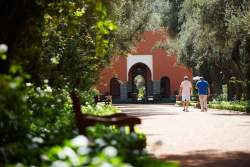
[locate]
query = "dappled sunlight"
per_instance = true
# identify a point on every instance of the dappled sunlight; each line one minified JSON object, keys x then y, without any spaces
{"x":211,"y":158}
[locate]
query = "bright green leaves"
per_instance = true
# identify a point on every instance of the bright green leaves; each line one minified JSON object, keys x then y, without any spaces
{"x":77,"y":42}
{"x":100,"y":9}
{"x":79,"y":12}
{"x":106,"y":26}
{"x":110,"y":25}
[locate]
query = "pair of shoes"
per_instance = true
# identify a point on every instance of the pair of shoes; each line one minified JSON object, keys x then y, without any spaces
{"x":183,"y":110}
{"x":205,"y":109}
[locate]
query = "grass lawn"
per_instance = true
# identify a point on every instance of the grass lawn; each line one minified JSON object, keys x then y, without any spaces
{"x":152,"y":162}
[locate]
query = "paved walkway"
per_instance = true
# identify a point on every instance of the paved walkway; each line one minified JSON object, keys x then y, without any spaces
{"x":200,"y":139}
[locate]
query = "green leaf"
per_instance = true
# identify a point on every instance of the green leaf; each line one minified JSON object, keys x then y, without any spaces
{"x":3,"y":56}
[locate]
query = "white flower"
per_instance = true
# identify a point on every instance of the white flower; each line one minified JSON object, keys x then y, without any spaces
{"x":110,"y":151}
{"x":46,"y":81}
{"x":28,"y":84}
{"x":72,"y":156}
{"x":113,"y":142}
{"x":83,"y":150}
{"x":19,"y":165}
{"x":44,"y":157}
{"x":61,"y":154}
{"x":48,"y":89}
{"x":58,"y":100}
{"x":3,"y":48}
{"x":38,"y":89}
{"x":100,"y":142}
{"x":106,"y":164}
{"x":80,"y":141}
{"x":13,"y":85}
{"x":96,"y":160}
{"x":60,"y":164}
{"x":54,"y":60}
{"x":37,"y":140}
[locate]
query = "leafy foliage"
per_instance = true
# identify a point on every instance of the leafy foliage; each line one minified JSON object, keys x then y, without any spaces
{"x":63,"y":45}
{"x":213,"y":37}
{"x":105,"y":146}
{"x":81,"y":152}
{"x":132,"y":18}
{"x":76,"y":42}
{"x":100,"y":109}
{"x":129,"y":145}
{"x":243,"y":106}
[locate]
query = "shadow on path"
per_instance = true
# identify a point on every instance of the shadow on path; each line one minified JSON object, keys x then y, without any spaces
{"x":211,"y":158}
{"x":148,"y":113}
{"x":232,"y":114}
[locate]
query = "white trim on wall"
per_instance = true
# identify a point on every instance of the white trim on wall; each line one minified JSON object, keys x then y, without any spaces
{"x":145,"y":59}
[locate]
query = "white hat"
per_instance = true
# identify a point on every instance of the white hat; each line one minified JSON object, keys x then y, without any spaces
{"x":185,"y":77}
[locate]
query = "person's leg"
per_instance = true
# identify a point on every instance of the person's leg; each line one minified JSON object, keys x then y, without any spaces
{"x":201,"y":102}
{"x":183,"y":104}
{"x":187,"y":103}
{"x":205,"y":102}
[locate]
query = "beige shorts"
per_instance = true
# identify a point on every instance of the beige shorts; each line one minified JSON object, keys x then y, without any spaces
{"x":185,"y":97}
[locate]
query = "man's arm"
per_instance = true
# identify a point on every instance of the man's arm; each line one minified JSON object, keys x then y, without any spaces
{"x":180,"y":90}
{"x":208,"y":91}
{"x":191,"y":89}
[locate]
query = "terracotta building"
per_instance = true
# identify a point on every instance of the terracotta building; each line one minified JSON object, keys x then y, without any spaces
{"x":153,"y":70}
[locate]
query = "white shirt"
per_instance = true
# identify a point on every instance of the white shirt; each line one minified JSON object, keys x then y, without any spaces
{"x":186,"y":85}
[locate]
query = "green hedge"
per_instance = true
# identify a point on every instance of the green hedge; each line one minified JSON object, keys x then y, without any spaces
{"x":235,"y":106}
{"x":243,"y":106}
{"x":191,"y":103}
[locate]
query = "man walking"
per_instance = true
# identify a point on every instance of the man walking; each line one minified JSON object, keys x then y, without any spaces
{"x":186,"y":90}
{"x":203,"y":92}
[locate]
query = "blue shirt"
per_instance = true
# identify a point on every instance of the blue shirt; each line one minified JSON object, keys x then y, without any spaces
{"x":202,"y":87}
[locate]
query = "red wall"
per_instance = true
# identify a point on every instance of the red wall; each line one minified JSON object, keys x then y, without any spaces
{"x":116,"y":69}
{"x":163,"y":64}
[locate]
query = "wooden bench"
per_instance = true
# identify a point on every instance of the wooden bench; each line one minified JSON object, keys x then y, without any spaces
{"x":102,"y":98}
{"x":85,"y":120}
{"x":119,"y":120}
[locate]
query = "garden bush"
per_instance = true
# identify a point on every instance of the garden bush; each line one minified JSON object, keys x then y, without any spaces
{"x":80,"y":151}
{"x":40,"y":118}
{"x":129,"y":145}
{"x":100,"y":109}
{"x":100,"y":151}
{"x":243,"y":106}
{"x":31,"y":117}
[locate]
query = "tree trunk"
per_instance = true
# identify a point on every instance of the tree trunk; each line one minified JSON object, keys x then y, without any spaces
{"x":77,"y":110}
{"x":248,"y":68}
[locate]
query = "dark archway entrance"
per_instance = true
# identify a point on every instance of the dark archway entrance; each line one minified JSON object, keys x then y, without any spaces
{"x":165,"y":87}
{"x":115,"y":88}
{"x":140,"y":78}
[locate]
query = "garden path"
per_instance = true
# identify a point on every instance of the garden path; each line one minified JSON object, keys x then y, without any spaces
{"x":215,"y":138}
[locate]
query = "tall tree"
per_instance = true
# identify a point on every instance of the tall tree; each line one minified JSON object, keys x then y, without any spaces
{"x":213,"y":38}
{"x":80,"y":37}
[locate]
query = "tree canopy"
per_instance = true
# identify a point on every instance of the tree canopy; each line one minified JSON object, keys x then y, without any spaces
{"x":211,"y":36}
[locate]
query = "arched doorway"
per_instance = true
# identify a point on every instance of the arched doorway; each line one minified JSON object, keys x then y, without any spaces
{"x":165,"y":87}
{"x":139,"y":80}
{"x":115,"y":88}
